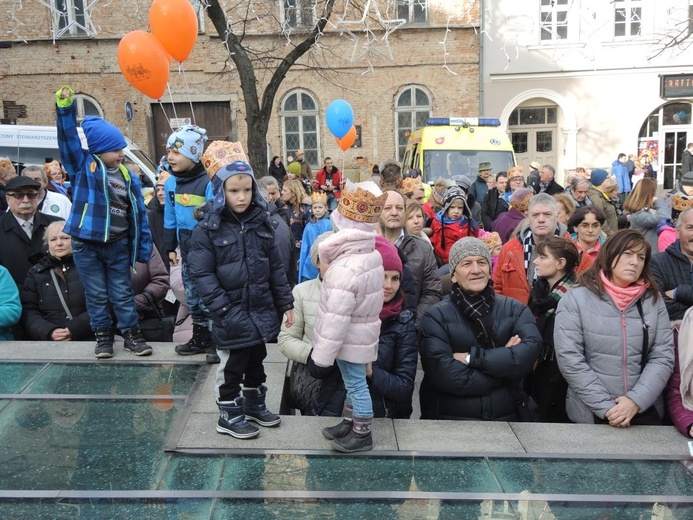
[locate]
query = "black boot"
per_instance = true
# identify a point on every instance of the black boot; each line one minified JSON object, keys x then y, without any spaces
{"x":232,"y":420}
{"x":199,"y":343}
{"x":358,"y":439}
{"x":255,"y":409}
{"x":135,"y":343}
{"x":343,"y":428}
{"x":104,"y":343}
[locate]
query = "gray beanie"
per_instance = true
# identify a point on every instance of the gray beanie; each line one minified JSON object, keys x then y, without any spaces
{"x":467,"y":246}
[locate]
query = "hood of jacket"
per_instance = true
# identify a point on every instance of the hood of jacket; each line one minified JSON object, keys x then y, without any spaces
{"x":347,"y":241}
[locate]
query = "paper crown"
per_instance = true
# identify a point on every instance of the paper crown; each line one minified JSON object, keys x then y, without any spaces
{"x":220,"y":154}
{"x":162,"y":178}
{"x":409,"y":185}
{"x":318,"y":198}
{"x":492,"y":240}
{"x":514,"y":171}
{"x":681,"y":203}
{"x":361,"y":205}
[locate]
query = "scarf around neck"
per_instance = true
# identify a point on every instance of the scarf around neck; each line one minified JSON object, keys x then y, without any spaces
{"x":544,"y":299}
{"x":477,"y":309}
{"x":391,"y":308}
{"x":623,"y":296}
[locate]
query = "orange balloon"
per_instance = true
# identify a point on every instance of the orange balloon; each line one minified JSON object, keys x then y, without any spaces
{"x":348,"y":140}
{"x":144,"y":63}
{"x":174,"y":23}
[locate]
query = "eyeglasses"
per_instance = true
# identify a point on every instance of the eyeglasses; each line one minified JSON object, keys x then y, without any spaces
{"x":31,"y":195}
{"x":516,"y":179}
{"x":586,"y":226}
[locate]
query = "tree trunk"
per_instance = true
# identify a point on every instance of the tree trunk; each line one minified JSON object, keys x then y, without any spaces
{"x":258,"y":115}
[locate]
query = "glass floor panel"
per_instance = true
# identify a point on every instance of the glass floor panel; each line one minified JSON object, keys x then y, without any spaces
{"x":105,"y":458}
{"x":109,"y":379}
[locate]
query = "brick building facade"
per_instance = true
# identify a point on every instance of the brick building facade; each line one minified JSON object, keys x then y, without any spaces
{"x":42,"y":51}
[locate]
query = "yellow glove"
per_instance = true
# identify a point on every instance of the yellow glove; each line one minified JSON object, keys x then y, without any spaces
{"x":63,"y":97}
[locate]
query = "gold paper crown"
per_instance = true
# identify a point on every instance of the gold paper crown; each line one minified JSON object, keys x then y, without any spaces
{"x":361,"y":205}
{"x":221,"y":153}
{"x":318,"y":198}
{"x":681,"y":203}
{"x":492,"y":240}
{"x":514,"y":171}
{"x":409,"y":185}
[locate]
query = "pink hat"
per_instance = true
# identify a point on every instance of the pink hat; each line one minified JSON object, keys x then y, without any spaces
{"x":391,"y":259}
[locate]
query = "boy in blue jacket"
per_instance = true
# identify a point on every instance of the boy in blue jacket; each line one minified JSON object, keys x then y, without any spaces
{"x":238,"y":272}
{"x":108,"y":224}
{"x":187,"y":188}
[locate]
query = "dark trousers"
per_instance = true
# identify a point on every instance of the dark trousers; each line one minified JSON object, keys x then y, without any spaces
{"x":240,"y":366}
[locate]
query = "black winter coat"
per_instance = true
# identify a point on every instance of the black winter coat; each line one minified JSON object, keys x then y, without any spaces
{"x":453,"y":390}
{"x":237,"y":270}
{"x":17,"y":248}
{"x":285,"y":242}
{"x":155,"y":214}
{"x":392,"y":382}
{"x":492,"y":206}
{"x":672,"y":269}
{"x":42,"y":311}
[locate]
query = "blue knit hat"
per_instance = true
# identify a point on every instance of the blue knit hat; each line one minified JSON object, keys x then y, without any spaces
{"x":598,"y":177}
{"x":102,"y":136}
{"x":189,"y":141}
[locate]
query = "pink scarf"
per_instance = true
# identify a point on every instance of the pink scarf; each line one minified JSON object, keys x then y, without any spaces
{"x":623,"y":296}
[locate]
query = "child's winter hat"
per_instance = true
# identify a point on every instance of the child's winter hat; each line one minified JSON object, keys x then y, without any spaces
{"x":318,"y":198}
{"x":102,"y":136}
{"x":391,"y":259}
{"x":452,"y":194}
{"x":467,"y":246}
{"x":520,"y":199}
{"x":189,"y":141}
{"x":220,"y":155}
{"x":295,"y":168}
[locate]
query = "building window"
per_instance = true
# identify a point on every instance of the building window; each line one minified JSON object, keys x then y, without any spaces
{"x":87,"y":106}
{"x":300,"y":123}
{"x":627,"y":18}
{"x":413,"y":107}
{"x":71,"y":18}
{"x":554,"y":20}
{"x":413,"y":11}
{"x":298,"y":14}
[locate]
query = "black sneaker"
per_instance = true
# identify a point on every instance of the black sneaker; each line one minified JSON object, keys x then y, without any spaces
{"x":104,"y":343}
{"x":213,"y":358}
{"x":135,"y":343}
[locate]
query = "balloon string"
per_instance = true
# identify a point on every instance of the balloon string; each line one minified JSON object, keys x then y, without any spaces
{"x":173,"y":105}
{"x":165,"y":114}
{"x":187,"y":89}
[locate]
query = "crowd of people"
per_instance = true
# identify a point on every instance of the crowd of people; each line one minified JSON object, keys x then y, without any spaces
{"x":493,"y":283}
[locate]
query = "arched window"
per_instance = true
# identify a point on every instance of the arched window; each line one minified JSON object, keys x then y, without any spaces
{"x":87,"y":106}
{"x":413,"y":107}
{"x":299,"y":115}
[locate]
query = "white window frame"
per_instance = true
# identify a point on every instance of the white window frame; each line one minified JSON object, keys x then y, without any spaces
{"x":411,"y":4}
{"x":301,"y":113}
{"x":300,"y":8}
{"x":72,"y":27}
{"x":554,"y":8}
{"x":79,"y":100}
{"x":412,"y":109}
{"x":628,"y":6}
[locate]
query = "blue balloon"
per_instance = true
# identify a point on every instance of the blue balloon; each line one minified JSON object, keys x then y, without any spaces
{"x":682,"y":115}
{"x":339,"y":118}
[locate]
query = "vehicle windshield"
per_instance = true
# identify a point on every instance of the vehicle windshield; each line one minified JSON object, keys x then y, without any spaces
{"x":448,"y":163}
{"x":144,"y":158}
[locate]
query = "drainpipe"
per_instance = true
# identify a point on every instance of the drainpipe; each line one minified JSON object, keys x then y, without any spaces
{"x":481,"y":57}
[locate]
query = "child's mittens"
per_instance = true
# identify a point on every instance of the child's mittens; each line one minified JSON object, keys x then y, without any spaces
{"x":63,"y":96}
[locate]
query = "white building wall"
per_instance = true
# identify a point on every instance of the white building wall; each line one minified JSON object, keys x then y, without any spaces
{"x":605,"y":87}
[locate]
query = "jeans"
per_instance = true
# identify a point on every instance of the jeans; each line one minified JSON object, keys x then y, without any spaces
{"x":354,"y":376}
{"x":332,"y":203}
{"x":197,"y":309}
{"x":241,"y":365}
{"x":104,"y":270}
